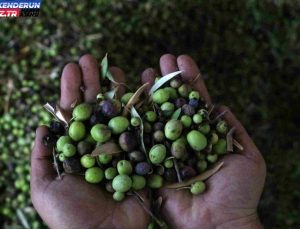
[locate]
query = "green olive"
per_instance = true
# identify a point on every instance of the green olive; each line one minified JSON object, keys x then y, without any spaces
{"x":124,"y":167}
{"x":94,"y":175}
{"x":184,"y":90}
{"x":155,"y":181}
{"x":173,"y":129}
{"x":138,"y":182}
{"x":118,"y":124}
{"x":197,"y":118}
{"x":157,"y":153}
{"x":61,"y":142}
{"x":220,"y":147}
{"x":172,"y":92}
{"x":69,"y":150}
{"x":186,"y":121}
{"x":105,"y":158}
{"x":126,"y":97}
{"x":87,"y":161}
{"x":77,"y":131}
{"x":118,"y":196}
{"x":100,"y":133}
{"x":196,"y":140}
{"x":198,"y":187}
{"x":82,"y":112}
{"x":204,"y":128}
{"x":167,"y":109}
{"x":151,"y":116}
{"x":160,"y":96}
{"x":122,"y":183}
{"x":110,"y":173}
{"x":135,"y":121}
{"x":222,"y":127}
{"x":194,"y":95}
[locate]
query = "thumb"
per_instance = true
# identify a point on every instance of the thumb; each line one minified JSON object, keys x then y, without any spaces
{"x":42,"y":170}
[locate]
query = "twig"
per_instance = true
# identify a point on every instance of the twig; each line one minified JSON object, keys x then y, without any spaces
{"x":177,"y":170}
{"x":219,"y":116}
{"x":229,"y":139}
{"x":55,"y":164}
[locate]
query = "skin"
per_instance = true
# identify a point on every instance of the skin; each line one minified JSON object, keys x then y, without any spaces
{"x":72,"y":203}
{"x":233,"y":193}
{"x":231,"y":198}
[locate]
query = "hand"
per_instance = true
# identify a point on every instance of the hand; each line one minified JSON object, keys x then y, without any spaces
{"x":233,"y":193}
{"x":71,"y":202}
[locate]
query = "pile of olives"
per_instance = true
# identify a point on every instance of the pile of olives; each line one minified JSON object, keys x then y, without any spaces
{"x":173,"y":139}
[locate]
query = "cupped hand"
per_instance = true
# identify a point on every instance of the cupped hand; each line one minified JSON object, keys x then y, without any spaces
{"x":72,"y":203}
{"x":233,"y":192}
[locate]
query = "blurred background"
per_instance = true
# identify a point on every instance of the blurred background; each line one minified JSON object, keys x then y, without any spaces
{"x":248,"y":52}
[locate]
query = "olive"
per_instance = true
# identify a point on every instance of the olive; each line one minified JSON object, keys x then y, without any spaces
{"x":142,"y":168}
{"x":136,"y":156}
{"x":127,"y":141}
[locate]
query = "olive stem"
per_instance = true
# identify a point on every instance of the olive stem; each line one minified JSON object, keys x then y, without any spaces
{"x":177,"y":170}
{"x":55,"y":164}
{"x":148,"y":211}
{"x":219,"y":116}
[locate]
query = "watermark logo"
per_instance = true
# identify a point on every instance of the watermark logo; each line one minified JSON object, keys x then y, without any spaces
{"x":20,"y":8}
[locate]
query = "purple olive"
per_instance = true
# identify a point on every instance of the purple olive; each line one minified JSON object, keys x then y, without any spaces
{"x":187,"y":172}
{"x":127,"y":141}
{"x":142,"y":168}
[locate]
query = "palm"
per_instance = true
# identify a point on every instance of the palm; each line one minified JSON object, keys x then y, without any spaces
{"x":230,"y":195}
{"x":71,"y":202}
{"x":81,"y":205}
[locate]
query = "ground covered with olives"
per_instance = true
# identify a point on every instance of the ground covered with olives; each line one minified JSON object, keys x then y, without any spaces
{"x":141,"y":139}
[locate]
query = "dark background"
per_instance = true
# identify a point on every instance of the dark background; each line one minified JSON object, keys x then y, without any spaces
{"x":248,"y":52}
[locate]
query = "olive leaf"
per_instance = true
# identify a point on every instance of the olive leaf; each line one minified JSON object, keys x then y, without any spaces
{"x":106,"y":148}
{"x":134,"y":113}
{"x":57,"y":113}
{"x":111,"y":94}
{"x":176,"y":114}
{"x":110,"y":77}
{"x":237,"y":145}
{"x":162,"y":81}
{"x":134,"y":99}
{"x":229,"y":140}
{"x":200,"y":177}
{"x":23,"y":218}
{"x":104,"y":66}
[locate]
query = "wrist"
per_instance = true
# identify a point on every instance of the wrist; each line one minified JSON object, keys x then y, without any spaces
{"x":249,"y":222}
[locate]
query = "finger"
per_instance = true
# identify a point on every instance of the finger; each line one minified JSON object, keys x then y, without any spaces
{"x":41,"y":166}
{"x":240,"y":134}
{"x":168,"y":64}
{"x":119,"y":77}
{"x":148,"y":76}
{"x":190,"y":73}
{"x":70,"y":86}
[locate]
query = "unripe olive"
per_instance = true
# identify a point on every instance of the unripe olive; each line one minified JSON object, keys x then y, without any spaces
{"x":155,"y":181}
{"x":138,"y":182}
{"x":173,"y":129}
{"x":172,"y":92}
{"x":178,"y":149}
{"x":61,"y":157}
{"x":198,"y":187}
{"x":175,"y":83}
{"x":82,"y":112}
{"x":184,"y":90}
{"x":214,"y":138}
{"x":124,"y":167}
{"x":87,"y":161}
{"x":201,"y":166}
{"x":158,"y":136}
{"x":94,"y":175}
{"x":77,"y":131}
{"x":110,"y":173}
{"x":118,"y":196}
{"x":196,"y":140}
{"x":127,"y":141}
{"x":126,"y":97}
{"x":61,"y":142}
{"x":194,"y":95}
{"x":151,"y":116}
{"x":197,"y":118}
{"x":118,"y":124}
{"x":105,"y":158}
{"x":122,"y":183}
{"x":160,"y":96}
{"x":157,"y":153}
{"x":186,"y":121}
{"x":69,"y":150}
{"x":204,"y":128}
{"x":212,"y":158}
{"x":84,"y":147}
{"x":147,"y":127}
{"x":136,"y":156}
{"x":167,"y":109}
{"x":100,"y":133}
{"x":135,"y":121}
{"x":222,"y":127}
{"x":220,"y":147}
{"x":168,"y":163}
